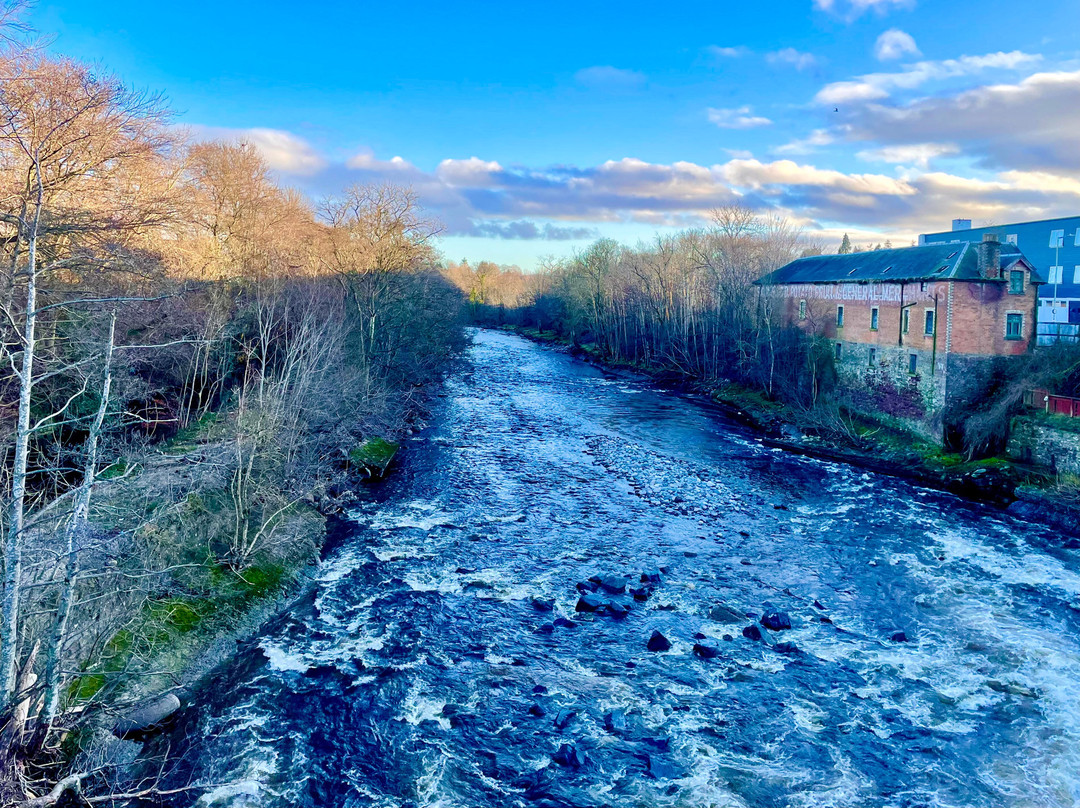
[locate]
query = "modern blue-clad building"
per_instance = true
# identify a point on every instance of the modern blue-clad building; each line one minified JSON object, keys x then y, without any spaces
{"x":1053,"y":248}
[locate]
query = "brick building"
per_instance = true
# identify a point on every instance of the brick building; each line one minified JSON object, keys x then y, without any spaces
{"x":917,"y":332}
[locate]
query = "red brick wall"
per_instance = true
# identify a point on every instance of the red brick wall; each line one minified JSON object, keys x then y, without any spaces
{"x":978,"y":314}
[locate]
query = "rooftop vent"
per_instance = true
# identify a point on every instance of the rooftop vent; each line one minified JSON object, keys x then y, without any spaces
{"x":961,"y":224}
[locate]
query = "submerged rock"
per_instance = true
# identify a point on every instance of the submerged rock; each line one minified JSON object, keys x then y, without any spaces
{"x":752,"y":633}
{"x":899,"y":636}
{"x":612,"y":584}
{"x":787,"y":648}
{"x":536,"y":711}
{"x":660,"y":769}
{"x":658,"y":642}
{"x":776,"y":621}
{"x":725,"y":614}
{"x":562,"y":622}
{"x":706,"y":650}
{"x":567,"y":755}
{"x":615,"y":721}
{"x":564,"y":717}
{"x":650,"y":577}
{"x":1012,"y":689}
{"x":543,"y":604}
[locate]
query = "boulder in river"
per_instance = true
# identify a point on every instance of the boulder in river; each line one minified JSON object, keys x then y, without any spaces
{"x":589,"y":602}
{"x":650,"y":577}
{"x":584,"y":587}
{"x":776,"y":621}
{"x":536,"y":711}
{"x":899,"y":636}
{"x":543,"y":604}
{"x":562,"y":622}
{"x":1012,"y":689}
{"x":752,"y":632}
{"x":568,"y":755}
{"x":147,"y":717}
{"x":615,"y":721}
{"x":725,"y":614}
{"x":658,"y":642}
{"x":786,"y":648}
{"x":660,"y":769}
{"x":612,"y":584}
{"x":704,"y":650}
{"x":564,"y":717}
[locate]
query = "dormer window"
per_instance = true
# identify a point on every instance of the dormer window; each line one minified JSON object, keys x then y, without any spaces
{"x":1016,"y":282}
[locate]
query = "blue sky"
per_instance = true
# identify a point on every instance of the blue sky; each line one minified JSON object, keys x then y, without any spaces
{"x":531,"y":130}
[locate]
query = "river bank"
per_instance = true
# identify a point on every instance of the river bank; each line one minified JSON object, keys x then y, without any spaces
{"x":1021,"y":490}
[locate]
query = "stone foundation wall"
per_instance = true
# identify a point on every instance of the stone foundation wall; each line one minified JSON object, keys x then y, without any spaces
{"x":885,"y":386}
{"x":1039,"y":444}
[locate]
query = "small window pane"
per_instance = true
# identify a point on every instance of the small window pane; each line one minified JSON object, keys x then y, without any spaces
{"x":913,"y":363}
{"x":1014,"y":326}
{"x":1016,"y":282}
{"x":839,"y":316}
{"x":873,"y":356}
{"x":905,"y":319}
{"x":839,"y":349}
{"x":1057,"y":238}
{"x":873,"y":319}
{"x":802,"y":309}
{"x":929,"y":325}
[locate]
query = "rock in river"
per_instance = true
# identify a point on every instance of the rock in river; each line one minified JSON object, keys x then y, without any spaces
{"x":564,"y":717}
{"x":752,"y":633}
{"x":615,"y":721}
{"x":725,"y":614}
{"x":706,"y":650}
{"x":658,"y":642}
{"x":567,"y":755}
{"x":776,"y":621}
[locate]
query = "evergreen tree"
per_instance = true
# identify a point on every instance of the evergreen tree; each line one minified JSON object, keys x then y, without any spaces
{"x":845,"y":245}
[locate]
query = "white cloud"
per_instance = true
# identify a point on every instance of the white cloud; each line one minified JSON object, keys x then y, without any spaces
{"x":875,"y":86}
{"x":725,"y":52}
{"x":895,"y":44}
{"x":852,"y":9}
{"x":789,"y":56}
{"x":814,"y":141}
{"x":739,"y":118}
{"x":915,"y":154}
{"x":283,"y":151}
{"x":606,"y":77}
{"x":366,"y":161}
{"x":472,"y":172}
{"x":1031,"y":124}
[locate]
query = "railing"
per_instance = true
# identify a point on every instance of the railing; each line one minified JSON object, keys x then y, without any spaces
{"x":1052,"y":333}
{"x":1056,"y":405}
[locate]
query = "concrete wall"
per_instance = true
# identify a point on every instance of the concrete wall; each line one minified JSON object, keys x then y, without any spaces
{"x":1033,"y":442}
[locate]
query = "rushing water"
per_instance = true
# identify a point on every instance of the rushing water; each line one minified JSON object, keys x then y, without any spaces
{"x":407,"y":678}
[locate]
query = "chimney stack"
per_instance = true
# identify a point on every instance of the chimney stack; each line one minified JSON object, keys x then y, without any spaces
{"x":990,"y":257}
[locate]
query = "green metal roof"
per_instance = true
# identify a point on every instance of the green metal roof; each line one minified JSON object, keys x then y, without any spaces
{"x":930,"y":262}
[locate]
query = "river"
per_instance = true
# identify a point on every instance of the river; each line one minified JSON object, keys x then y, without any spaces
{"x":424,"y":670}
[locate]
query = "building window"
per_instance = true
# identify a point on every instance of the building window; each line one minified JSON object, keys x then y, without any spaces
{"x":873,"y":357}
{"x":1011,"y":238}
{"x":1016,"y":282}
{"x":1057,"y":238}
{"x":839,"y":316}
{"x":928,"y":325}
{"x":924,"y":286}
{"x":874,"y":319}
{"x":905,"y":320}
{"x":839,"y":351}
{"x":913,"y":364}
{"x":802,"y":309}
{"x":1057,"y":275}
{"x":1076,"y":241}
{"x":1014,"y":326}
{"x":1076,"y":269}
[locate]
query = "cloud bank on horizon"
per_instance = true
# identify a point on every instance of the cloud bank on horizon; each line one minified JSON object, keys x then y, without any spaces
{"x":917,"y":136}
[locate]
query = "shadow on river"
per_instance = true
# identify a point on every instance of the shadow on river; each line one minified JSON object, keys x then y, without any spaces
{"x":422,"y":672}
